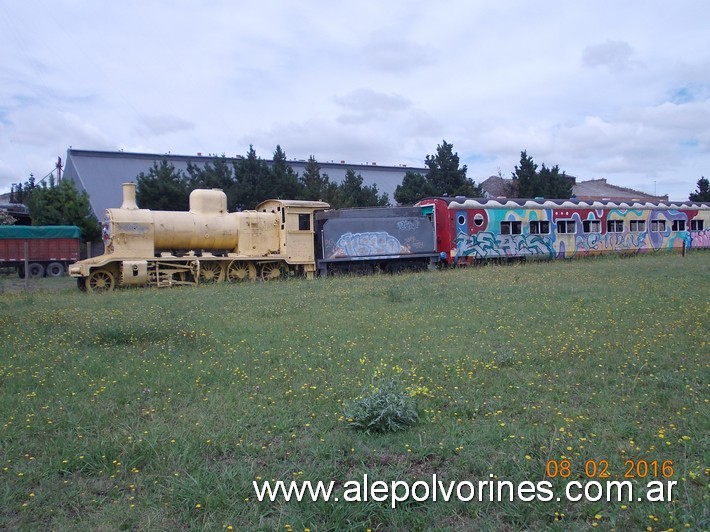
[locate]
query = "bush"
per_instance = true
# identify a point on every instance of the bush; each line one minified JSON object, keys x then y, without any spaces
{"x":389,"y":408}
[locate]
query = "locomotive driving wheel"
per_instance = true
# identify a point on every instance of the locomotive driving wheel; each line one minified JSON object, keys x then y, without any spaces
{"x":100,"y":281}
{"x":270,"y":271}
{"x":240,"y":270}
{"x":211,"y":272}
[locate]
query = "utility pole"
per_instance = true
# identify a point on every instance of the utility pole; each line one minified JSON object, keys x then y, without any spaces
{"x":59,"y":170}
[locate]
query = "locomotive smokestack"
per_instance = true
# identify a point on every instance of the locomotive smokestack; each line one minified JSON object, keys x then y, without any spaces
{"x":129,"y":196}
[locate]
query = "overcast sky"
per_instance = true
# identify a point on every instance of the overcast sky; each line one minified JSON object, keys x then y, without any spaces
{"x":605,"y":89}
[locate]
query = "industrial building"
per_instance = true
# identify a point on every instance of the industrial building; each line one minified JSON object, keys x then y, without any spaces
{"x":101,"y":173}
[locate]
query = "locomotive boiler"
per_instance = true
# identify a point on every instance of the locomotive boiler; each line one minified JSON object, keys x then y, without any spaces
{"x":205,"y":244}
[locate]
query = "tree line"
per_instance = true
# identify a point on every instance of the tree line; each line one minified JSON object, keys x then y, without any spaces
{"x":250,"y":180}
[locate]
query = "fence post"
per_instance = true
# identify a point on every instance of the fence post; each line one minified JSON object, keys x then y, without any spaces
{"x":27,"y":265}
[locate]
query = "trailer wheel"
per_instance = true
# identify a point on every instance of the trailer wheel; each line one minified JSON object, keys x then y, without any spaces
{"x":35,"y":270}
{"x":55,"y":269}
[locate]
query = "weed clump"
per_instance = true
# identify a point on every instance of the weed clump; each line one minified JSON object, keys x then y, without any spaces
{"x":389,"y":408}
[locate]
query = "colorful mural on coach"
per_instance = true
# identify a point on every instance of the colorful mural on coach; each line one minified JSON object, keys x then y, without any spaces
{"x":480,"y":229}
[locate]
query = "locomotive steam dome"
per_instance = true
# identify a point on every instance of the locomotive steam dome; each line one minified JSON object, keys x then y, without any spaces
{"x":208,"y":201}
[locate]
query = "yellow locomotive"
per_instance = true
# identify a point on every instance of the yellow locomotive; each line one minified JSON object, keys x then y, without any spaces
{"x":205,"y":244}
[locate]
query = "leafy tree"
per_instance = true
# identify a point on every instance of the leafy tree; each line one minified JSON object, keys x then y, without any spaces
{"x":547,"y":183}
{"x":444,"y":177}
{"x":63,"y":204}
{"x":414,"y":187}
{"x":352,"y":193}
{"x":285,"y":180}
{"x":702,"y":193}
{"x":163,"y":188}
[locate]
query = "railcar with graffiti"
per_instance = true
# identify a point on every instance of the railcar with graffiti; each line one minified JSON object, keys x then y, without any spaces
{"x":468,"y":230}
{"x":372,"y":239}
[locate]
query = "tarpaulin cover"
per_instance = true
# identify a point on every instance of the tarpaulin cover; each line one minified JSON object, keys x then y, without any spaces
{"x":26,"y":232}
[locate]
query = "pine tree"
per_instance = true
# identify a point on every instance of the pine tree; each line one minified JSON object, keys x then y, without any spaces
{"x":163,"y":188}
{"x":254,"y":181}
{"x":352,"y":193}
{"x":218,"y":174}
{"x":285,"y":180}
{"x":553,"y":184}
{"x":316,"y":186}
{"x":547,"y":183}
{"x":444,"y":177}
{"x":702,"y":193}
{"x":414,"y":187}
{"x":525,"y":176}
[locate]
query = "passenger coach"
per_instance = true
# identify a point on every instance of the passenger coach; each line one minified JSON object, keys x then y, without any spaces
{"x":468,"y":230}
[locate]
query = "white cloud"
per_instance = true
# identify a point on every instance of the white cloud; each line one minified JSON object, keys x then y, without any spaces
{"x":387,"y":52}
{"x":162,"y":125}
{"x":617,"y":55}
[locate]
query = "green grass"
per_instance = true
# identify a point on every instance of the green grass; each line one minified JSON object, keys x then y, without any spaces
{"x":156,"y":409}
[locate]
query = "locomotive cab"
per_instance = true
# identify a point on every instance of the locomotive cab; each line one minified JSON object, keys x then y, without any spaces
{"x":295,"y":229}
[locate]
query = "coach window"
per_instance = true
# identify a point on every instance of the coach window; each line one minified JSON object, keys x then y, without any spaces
{"x":591,"y":226}
{"x":566,"y":227}
{"x":304,"y":222}
{"x":678,"y":225}
{"x":658,"y":226}
{"x":697,"y":225}
{"x":614,"y":226}
{"x":511,"y":228}
{"x":539,"y":227}
{"x":478,"y":219}
{"x":637,"y":226}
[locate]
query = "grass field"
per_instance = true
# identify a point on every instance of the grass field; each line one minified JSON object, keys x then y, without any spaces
{"x":156,"y":409}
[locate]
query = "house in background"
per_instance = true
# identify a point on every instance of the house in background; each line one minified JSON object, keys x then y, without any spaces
{"x":592,"y":190}
{"x":599,"y":189}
